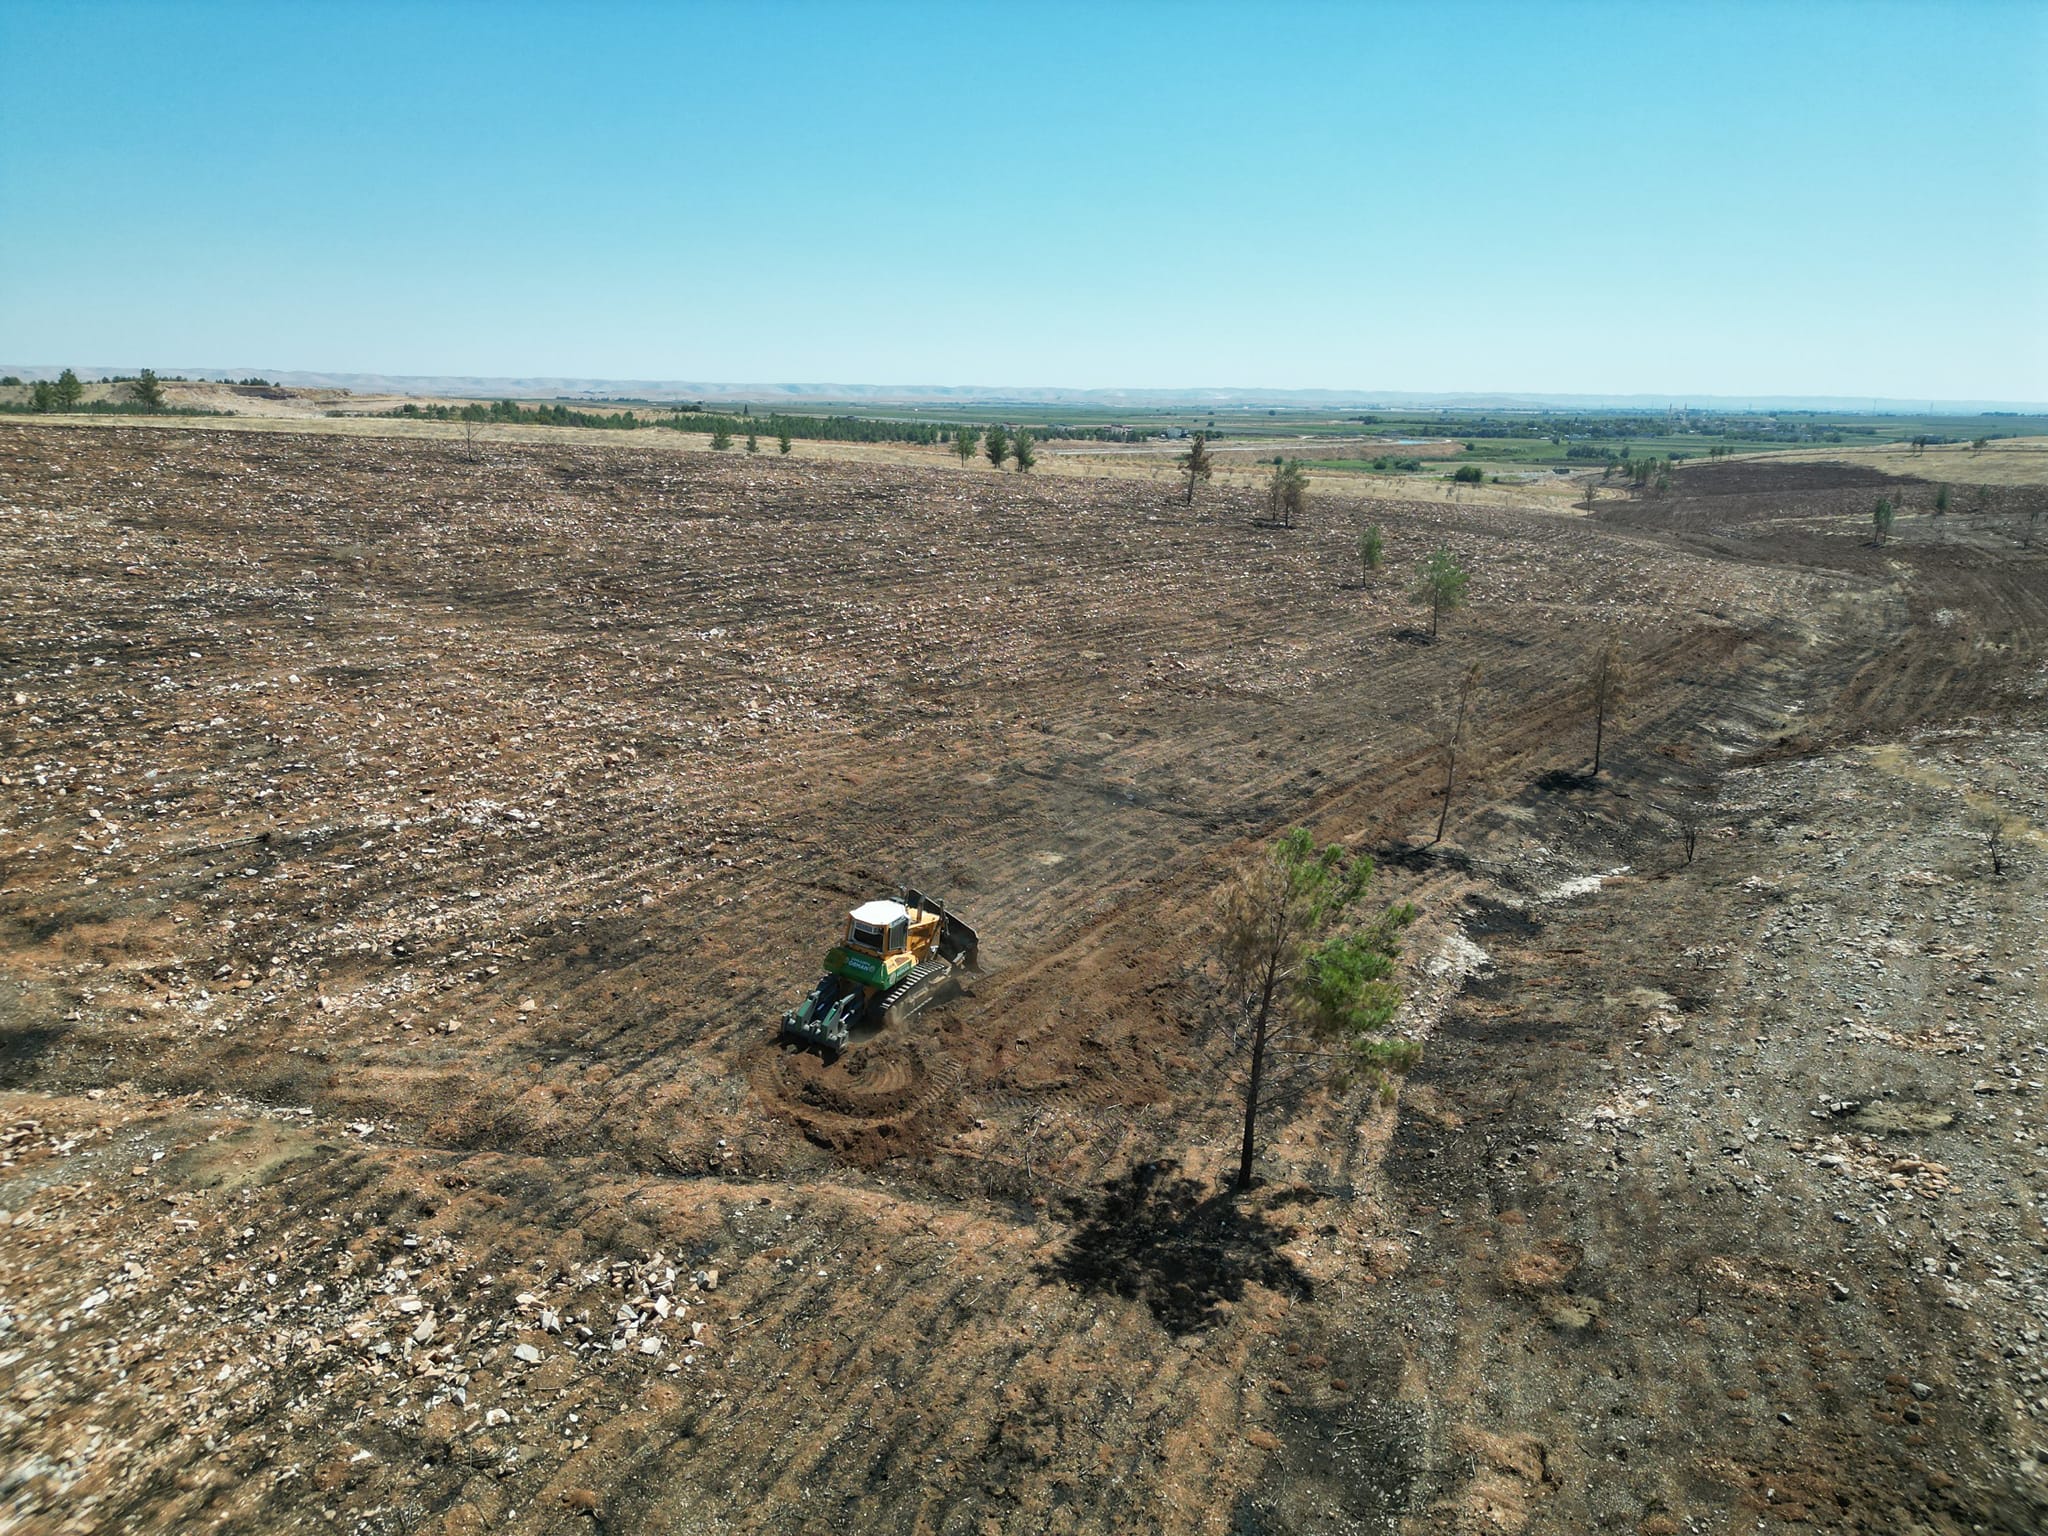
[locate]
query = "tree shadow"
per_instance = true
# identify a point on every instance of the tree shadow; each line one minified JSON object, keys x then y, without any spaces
{"x":1565,"y":780}
{"x":1422,"y":856}
{"x":1160,"y":1238}
{"x":1408,"y":634}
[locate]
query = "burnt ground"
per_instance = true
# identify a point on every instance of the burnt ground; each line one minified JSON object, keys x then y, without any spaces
{"x":407,"y":858}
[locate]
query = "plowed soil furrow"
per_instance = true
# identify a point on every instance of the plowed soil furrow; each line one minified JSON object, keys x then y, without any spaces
{"x":414,"y":854}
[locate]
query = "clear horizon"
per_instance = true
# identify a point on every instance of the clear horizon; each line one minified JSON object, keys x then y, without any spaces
{"x":975,"y":396}
{"x":1584,"y":199}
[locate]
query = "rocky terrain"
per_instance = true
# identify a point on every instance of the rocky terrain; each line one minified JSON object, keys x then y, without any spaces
{"x":405,"y":858}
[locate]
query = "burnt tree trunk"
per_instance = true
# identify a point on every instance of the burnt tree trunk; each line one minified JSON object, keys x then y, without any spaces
{"x":1251,"y":1089}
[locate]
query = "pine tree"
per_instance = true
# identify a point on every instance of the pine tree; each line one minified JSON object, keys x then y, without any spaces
{"x":1020,"y":450}
{"x":1297,"y":966}
{"x":963,"y":443}
{"x":1287,"y":492}
{"x":782,"y":439}
{"x":995,"y":442}
{"x":1442,"y":585}
{"x":149,"y":393}
{"x":69,"y":390}
{"x":1372,"y":550}
{"x":721,"y":436}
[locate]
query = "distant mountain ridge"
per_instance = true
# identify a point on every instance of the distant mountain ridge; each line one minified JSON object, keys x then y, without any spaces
{"x":959,"y":396}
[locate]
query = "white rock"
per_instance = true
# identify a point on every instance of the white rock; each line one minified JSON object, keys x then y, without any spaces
{"x":423,"y":1330}
{"x":527,"y":1353}
{"x":650,"y":1345}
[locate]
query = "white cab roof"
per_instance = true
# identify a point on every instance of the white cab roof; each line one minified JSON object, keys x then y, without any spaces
{"x":880,"y":913}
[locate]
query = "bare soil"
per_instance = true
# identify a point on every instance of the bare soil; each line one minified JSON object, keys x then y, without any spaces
{"x":407,"y":857}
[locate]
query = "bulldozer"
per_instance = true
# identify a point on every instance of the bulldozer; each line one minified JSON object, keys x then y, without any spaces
{"x":894,"y":958}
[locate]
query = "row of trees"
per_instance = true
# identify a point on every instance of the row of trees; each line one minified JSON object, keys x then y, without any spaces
{"x":998,"y":445}
{"x":62,"y":394}
{"x":1647,"y":470}
{"x":721,"y":439}
{"x":66,"y":392}
{"x":822,"y":429}
{"x":724,"y":429}
{"x":512,"y":413}
{"x":865,"y":429}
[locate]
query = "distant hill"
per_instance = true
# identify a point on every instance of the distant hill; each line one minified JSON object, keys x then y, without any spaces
{"x":956,"y":396}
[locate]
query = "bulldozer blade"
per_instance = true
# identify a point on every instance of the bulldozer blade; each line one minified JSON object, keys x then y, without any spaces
{"x":958,"y":942}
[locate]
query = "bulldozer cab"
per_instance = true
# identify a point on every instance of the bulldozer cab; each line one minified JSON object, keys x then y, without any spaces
{"x":879,"y":928}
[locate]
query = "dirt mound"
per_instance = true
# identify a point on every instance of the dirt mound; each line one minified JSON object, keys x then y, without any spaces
{"x":887,"y":1097}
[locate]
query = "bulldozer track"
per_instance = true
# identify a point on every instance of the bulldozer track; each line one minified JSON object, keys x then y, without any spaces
{"x":914,"y":992}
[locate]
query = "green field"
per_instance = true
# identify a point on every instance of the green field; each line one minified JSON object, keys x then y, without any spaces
{"x":1493,"y":438}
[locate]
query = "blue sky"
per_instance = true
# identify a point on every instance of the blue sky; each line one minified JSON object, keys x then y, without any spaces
{"x":1708,"y":199}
